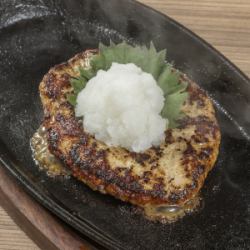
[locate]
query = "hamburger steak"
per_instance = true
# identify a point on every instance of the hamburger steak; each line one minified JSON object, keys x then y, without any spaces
{"x":168,"y":176}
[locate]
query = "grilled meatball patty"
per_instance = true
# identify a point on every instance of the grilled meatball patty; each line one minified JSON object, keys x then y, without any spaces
{"x":170,"y":174}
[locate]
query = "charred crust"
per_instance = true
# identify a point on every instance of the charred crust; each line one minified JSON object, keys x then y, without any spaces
{"x":200,"y":103}
{"x":60,"y":67}
{"x":67,"y":106}
{"x":154,"y":165}
{"x":196,"y":95}
{"x":53,"y":138}
{"x":157,"y":151}
{"x":46,"y":115}
{"x":199,"y":139}
{"x":158,"y":191}
{"x":54,"y":84}
{"x":52,"y":89}
{"x":146,"y":176}
{"x":69,"y":126}
{"x":84,"y":139}
{"x":205,"y":153}
{"x":75,"y":155}
{"x":169,"y":139}
{"x":174,"y":197}
{"x":203,"y":126}
{"x":189,"y":150}
{"x":126,"y":183}
{"x":140,"y":157}
{"x":192,"y":186}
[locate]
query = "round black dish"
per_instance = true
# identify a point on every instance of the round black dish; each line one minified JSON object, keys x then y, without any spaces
{"x":35,"y":35}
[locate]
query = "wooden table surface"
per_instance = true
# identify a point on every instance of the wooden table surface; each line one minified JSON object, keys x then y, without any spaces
{"x":225,"y":24}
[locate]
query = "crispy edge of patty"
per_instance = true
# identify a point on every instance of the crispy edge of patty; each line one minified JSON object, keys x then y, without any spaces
{"x":68,"y":141}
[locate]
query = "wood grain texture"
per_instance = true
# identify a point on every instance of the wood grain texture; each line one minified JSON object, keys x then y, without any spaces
{"x":48,"y":231}
{"x":11,"y":237}
{"x":225,"y":24}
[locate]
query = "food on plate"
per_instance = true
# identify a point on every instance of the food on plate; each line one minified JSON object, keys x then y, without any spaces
{"x":128,"y":124}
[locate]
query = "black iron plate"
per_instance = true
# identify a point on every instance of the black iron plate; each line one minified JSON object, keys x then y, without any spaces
{"x":35,"y":35}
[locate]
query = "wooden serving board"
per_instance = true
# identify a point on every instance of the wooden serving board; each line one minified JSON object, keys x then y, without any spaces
{"x":46,"y":230}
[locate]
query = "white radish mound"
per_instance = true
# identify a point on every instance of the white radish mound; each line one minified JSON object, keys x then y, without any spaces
{"x":121,"y":107}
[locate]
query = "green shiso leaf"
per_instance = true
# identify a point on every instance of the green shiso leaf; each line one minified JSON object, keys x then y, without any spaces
{"x":87,"y":74}
{"x":78,"y":84}
{"x":169,"y":81}
{"x":171,"y":109}
{"x":150,"y":61}
{"x":71,"y":98}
